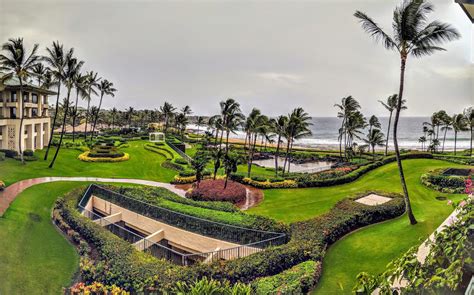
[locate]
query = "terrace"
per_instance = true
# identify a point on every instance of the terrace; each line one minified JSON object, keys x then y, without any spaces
{"x":180,"y":238}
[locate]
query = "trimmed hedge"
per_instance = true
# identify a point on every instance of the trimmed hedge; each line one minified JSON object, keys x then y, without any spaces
{"x":2,"y":156}
{"x":300,"y":279}
{"x":450,"y":184}
{"x":85,"y":157}
{"x":9,"y":153}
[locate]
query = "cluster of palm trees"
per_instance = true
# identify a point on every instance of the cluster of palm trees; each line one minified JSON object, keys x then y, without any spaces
{"x":58,"y":68}
{"x":257,"y":127}
{"x":439,"y":125}
{"x":353,"y":125}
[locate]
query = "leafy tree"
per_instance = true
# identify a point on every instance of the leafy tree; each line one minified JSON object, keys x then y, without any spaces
{"x":374,"y":138}
{"x":469,"y":115}
{"x":413,"y":36}
{"x":91,"y":84}
{"x":231,"y":160}
{"x":167,"y":110}
{"x":391,"y":105}
{"x":105,"y":88}
{"x":347,"y":107}
{"x":459,"y":123}
{"x":199,"y":164}
{"x":17,"y":62}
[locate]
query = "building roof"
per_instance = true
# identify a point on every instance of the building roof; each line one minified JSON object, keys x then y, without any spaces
{"x":468,"y":7}
{"x":9,"y":81}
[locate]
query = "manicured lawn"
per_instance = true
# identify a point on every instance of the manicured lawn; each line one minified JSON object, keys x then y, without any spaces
{"x":371,"y":248}
{"x":142,"y":164}
{"x":34,"y":257}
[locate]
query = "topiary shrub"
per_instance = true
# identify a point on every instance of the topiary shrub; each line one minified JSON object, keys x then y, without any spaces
{"x":213,"y":190}
{"x":28,"y":153}
{"x":10,"y":153}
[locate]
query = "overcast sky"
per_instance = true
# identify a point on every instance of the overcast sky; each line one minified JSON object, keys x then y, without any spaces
{"x":274,"y":55}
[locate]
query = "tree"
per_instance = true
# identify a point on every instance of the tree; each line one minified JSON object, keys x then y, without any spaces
{"x":231,"y":159}
{"x":17,"y":62}
{"x":459,"y":123}
{"x":469,"y":115}
{"x":413,"y":36}
{"x":129,"y":115}
{"x":216,"y":156}
{"x":374,"y":123}
{"x":113,"y":114}
{"x":181,"y":121}
{"x":445,"y":121}
{"x":391,"y":105}
{"x":105,"y":88}
{"x":422,"y":140}
{"x":199,"y":163}
{"x":253,"y":122}
{"x":168,"y":112}
{"x":39,"y":71}
{"x":231,"y":124}
{"x":200,"y":122}
{"x":91,"y":84}
{"x":56,"y":61}
{"x":297,"y":127}
{"x":79,"y":81}
{"x":71,"y":70}
{"x":374,"y":138}
{"x":347,"y":106}
{"x":279,"y":126}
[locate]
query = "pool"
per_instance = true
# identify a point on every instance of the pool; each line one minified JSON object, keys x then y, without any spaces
{"x":457,"y":172}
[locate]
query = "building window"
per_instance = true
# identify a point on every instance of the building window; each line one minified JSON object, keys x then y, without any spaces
{"x":34,"y":112}
{"x":45,"y":99}
{"x":34,"y":98}
{"x":25,"y":97}
{"x":13,"y":113}
{"x":13,"y":96}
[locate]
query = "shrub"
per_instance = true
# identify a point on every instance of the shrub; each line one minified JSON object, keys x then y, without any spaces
{"x":2,"y":185}
{"x":213,"y":190}
{"x":10,"y":153}
{"x":276,"y":179}
{"x":211,"y":286}
{"x":259,"y":178}
{"x":300,"y":279}
{"x":159,"y":143}
{"x":288,"y":183}
{"x":159,"y":150}
{"x":86,"y":158}
{"x":2,"y":156}
{"x":444,"y":183}
{"x":181,"y":161}
{"x":172,"y":166}
{"x":28,"y":153}
{"x":187,"y":173}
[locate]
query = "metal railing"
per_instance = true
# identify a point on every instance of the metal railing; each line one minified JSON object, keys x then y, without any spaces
{"x":180,"y":152}
{"x":250,"y":240}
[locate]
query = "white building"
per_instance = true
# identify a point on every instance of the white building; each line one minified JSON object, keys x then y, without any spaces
{"x":36,"y":123}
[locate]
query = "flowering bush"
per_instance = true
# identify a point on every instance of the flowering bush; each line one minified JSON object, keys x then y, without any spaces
{"x":96,"y":289}
{"x":86,"y":158}
{"x":2,"y":185}
{"x":270,"y":184}
{"x":444,"y":183}
{"x":213,"y":190}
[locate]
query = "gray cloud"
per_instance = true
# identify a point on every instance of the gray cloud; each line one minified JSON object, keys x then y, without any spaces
{"x":274,"y":55}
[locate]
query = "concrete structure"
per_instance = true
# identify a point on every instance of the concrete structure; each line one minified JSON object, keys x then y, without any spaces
{"x":36,"y":124}
{"x":157,"y":137}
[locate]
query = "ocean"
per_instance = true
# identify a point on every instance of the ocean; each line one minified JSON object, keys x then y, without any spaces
{"x":325,"y":132}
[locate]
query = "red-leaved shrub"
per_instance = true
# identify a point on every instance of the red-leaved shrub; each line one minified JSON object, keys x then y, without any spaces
{"x":213,"y":190}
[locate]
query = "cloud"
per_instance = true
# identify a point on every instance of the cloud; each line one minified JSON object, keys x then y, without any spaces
{"x":282,"y":78}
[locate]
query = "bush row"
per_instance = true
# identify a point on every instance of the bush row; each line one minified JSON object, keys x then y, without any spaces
{"x":86,"y":158}
{"x":444,"y":183}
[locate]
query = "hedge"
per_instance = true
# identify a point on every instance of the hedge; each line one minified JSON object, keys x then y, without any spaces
{"x":300,"y":279}
{"x":86,"y":158}
{"x":159,"y":150}
{"x":9,"y":153}
{"x":444,"y":183}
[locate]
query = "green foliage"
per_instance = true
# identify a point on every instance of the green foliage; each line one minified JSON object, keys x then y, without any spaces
{"x":2,"y":156}
{"x":28,"y":153}
{"x":10,"y":153}
{"x":181,"y":161}
{"x":300,"y":279}
{"x":444,"y":183}
{"x":210,"y":286}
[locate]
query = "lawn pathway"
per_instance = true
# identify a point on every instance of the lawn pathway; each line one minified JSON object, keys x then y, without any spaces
{"x":12,"y":191}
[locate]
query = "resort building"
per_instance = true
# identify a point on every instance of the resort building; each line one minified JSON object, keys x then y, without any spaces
{"x":36,"y":123}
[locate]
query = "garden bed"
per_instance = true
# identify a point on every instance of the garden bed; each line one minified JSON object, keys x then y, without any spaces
{"x":213,"y":190}
{"x":451,"y":180}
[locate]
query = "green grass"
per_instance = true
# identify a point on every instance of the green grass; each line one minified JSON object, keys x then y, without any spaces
{"x":143,"y":164}
{"x":34,"y":257}
{"x":371,"y":248}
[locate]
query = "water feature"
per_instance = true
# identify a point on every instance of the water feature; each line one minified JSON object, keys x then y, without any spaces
{"x":309,"y":167}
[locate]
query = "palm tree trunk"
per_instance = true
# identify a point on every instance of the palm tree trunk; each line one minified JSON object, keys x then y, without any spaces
{"x":97,"y":115}
{"x":74,"y":118}
{"x":409,"y":211}
{"x":470,"y":153}
{"x":54,"y":122}
{"x":87,"y":114}
{"x":455,"y":140}
{"x":22,"y":110}
{"x":289,"y":160}
{"x":277,"y":152}
{"x":227,"y":142}
{"x":444,"y":138}
{"x":286,"y":156}
{"x":388,"y":133}
{"x":251,"y":151}
{"x":62,"y":130}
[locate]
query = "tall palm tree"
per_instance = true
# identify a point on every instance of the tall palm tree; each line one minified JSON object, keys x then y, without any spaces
{"x":252,"y":123}
{"x":413,"y":36}
{"x":16,"y":61}
{"x":129,"y":114}
{"x":297,"y":127}
{"x":232,"y":123}
{"x":374,"y":138}
{"x":113,"y":114}
{"x":391,"y":105}
{"x":186,"y":110}
{"x":374,"y":123}
{"x":445,"y":121}
{"x":105,"y":88}
{"x":459,"y":124}
{"x":91,"y":84}
{"x":80,"y":84}
{"x":71,"y":70}
{"x":347,"y":106}
{"x":422,"y":140}
{"x":167,"y":110}
{"x":56,"y":61}
{"x":279,"y":126}
{"x":39,"y":71}
{"x":354,"y":127}
{"x":228,"y":107}
{"x":200,"y":122}
{"x":469,"y":115}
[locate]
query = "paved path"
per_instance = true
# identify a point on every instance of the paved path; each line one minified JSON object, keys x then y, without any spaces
{"x":12,"y":191}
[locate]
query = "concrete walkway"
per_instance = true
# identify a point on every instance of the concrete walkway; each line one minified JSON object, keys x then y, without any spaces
{"x":12,"y":191}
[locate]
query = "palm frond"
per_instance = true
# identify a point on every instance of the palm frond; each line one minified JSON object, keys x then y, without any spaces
{"x":375,"y":31}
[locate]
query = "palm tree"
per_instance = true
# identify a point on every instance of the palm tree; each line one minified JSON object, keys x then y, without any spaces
{"x":252,"y":123}
{"x":279,"y":126}
{"x":91,"y":84}
{"x":231,"y":124}
{"x":374,"y":123}
{"x":56,"y":60}
{"x":199,"y":163}
{"x":422,"y":140}
{"x":39,"y":71}
{"x":230,"y":165}
{"x":80,"y":84}
{"x":200,"y":122}
{"x":168,"y":111}
{"x":17,"y":62}
{"x":181,"y":121}
{"x":374,"y":138}
{"x":186,"y":110}
{"x":297,"y":127}
{"x":228,"y":108}
{"x":113,"y":114}
{"x":354,"y":127}
{"x":445,"y":121}
{"x":413,"y":36}
{"x":391,"y":105}
{"x":71,"y":70}
{"x":347,"y":106}
{"x":105,"y":88}
{"x":469,"y":115}
{"x":459,"y":123}
{"x":129,"y":115}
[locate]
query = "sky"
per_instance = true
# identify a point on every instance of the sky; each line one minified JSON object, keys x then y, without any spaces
{"x":273,"y":55}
